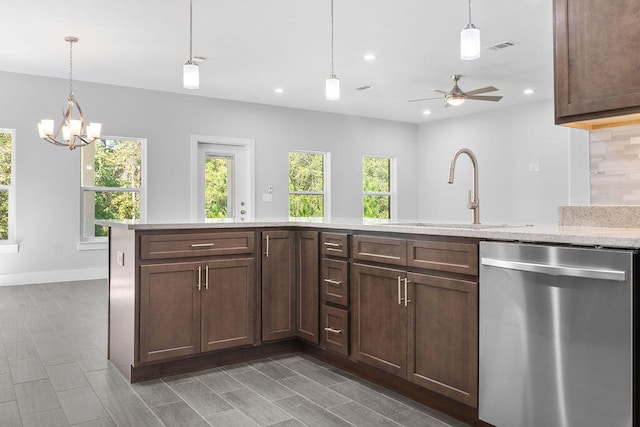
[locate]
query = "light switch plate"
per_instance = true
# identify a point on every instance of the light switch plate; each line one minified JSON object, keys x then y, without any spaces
{"x":267,"y":197}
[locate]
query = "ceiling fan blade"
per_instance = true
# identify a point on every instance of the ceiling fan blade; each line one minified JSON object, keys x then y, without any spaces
{"x":438,"y":90}
{"x":424,"y":99}
{"x":482,"y":90}
{"x":485,"y":98}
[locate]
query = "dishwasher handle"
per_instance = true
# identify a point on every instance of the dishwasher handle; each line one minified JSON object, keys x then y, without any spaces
{"x":557,"y":270}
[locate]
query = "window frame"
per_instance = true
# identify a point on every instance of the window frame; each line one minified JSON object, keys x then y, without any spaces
{"x":326,"y":193}
{"x":392,"y":193}
{"x":100,"y":242}
{"x":10,"y":244}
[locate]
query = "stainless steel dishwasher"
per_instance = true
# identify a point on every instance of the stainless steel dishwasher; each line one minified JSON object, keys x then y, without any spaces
{"x":556,"y":336}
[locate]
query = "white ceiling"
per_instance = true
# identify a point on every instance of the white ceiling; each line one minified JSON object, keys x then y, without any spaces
{"x":254,"y":46}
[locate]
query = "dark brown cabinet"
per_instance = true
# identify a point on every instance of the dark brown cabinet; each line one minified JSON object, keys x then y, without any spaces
{"x":442,"y":331}
{"x":419,"y":326}
{"x":278,"y":285}
{"x":597,"y":83}
{"x":228,"y":304}
{"x":192,"y":307}
{"x":307,"y":306}
{"x":379,"y":318}
{"x":169,"y":311}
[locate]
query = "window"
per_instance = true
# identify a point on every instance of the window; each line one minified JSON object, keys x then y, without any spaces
{"x":308,"y":185}
{"x":112,"y":183}
{"x":7,"y":178}
{"x":377,"y":188}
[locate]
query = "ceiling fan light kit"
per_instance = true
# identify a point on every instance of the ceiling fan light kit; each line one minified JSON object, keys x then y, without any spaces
{"x":457,"y":96}
{"x":332,"y":84}
{"x":470,"y":40}
{"x":191,"y":70}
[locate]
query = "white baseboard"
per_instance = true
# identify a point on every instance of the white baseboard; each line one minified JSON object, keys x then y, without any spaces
{"x":52,"y":276}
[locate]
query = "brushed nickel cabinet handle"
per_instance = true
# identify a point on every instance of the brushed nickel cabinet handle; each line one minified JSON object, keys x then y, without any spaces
{"x":266,"y":252}
{"x":335,"y":331}
{"x":334,"y":282}
{"x":202,"y":245}
{"x":199,"y":285}
{"x":406,"y":294}
{"x":206,"y":277}
{"x":399,"y":290}
{"x":333,"y":245}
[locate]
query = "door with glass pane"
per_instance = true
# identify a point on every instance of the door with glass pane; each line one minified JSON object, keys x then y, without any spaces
{"x":223,"y":182}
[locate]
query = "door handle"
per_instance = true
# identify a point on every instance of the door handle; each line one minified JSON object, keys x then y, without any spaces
{"x":333,"y":282}
{"x":335,"y":331}
{"x":399,"y":290}
{"x":206,"y":277}
{"x":266,"y":251}
{"x":199,"y":285}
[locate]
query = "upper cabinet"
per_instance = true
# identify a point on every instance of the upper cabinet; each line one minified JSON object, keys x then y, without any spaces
{"x":597,"y":63}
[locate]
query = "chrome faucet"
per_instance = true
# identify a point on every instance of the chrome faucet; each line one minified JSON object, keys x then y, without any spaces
{"x":474,"y":203}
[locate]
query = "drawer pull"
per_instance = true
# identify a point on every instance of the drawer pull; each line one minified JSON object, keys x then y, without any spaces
{"x":202,"y":245}
{"x":335,"y":331}
{"x":334,"y":282}
{"x":332,"y":245}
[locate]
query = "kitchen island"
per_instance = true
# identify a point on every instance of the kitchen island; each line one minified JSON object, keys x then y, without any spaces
{"x":394,"y":303}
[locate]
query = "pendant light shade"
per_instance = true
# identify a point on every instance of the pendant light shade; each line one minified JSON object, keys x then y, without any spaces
{"x":470,"y":40}
{"x":332,"y":84}
{"x":191,"y":76}
{"x":190,"y":71}
{"x":332,"y":88}
{"x":470,"y":43}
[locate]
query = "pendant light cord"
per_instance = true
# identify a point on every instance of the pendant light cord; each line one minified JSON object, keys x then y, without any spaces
{"x":469,"y":12}
{"x":71,"y":69}
{"x":190,"y":31}
{"x":332,"y":37}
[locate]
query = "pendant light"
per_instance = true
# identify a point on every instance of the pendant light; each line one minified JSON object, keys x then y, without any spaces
{"x":332,"y":85}
{"x":70,"y":128}
{"x":470,"y":40}
{"x":191,"y":71}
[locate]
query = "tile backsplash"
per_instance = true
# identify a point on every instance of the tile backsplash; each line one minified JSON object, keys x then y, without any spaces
{"x":614,"y":156}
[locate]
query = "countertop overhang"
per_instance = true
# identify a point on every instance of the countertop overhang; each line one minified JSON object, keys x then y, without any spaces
{"x":606,"y":237}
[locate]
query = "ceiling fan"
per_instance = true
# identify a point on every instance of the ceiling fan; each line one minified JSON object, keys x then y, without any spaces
{"x":457,"y":97}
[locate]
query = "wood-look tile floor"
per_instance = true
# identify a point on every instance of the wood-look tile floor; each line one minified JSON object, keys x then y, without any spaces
{"x":54,"y":372}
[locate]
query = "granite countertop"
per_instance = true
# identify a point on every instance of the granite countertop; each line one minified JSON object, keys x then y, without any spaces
{"x":542,"y":233}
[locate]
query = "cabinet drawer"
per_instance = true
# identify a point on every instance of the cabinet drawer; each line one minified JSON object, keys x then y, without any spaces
{"x":444,"y":256}
{"x":335,"y":329}
{"x":335,"y":244}
{"x":195,"y":244}
{"x":335,"y":281}
{"x":380,"y":249}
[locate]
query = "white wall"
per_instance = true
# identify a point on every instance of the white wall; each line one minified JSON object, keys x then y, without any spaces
{"x":48,"y":177}
{"x":505,"y":142}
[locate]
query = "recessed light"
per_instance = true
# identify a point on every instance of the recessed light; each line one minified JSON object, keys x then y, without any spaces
{"x":278,"y":90}
{"x":369,"y":57}
{"x":426,"y":112}
{"x":529,"y":91}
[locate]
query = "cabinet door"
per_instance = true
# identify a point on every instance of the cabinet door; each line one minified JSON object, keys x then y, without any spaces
{"x":228,"y":304}
{"x":379,"y":318}
{"x":443,"y":336}
{"x":278,"y":290}
{"x":307,"y":286}
{"x":596,"y":59}
{"x":169,"y":311}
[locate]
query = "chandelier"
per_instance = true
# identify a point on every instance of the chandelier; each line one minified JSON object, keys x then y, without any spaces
{"x":72,"y":131}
